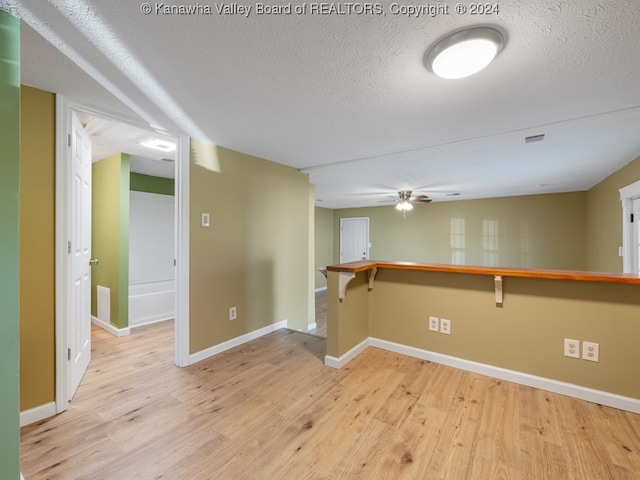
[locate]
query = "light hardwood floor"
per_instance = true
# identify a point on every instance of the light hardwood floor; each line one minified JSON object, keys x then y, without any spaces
{"x":321,"y":315}
{"x":271,"y":410}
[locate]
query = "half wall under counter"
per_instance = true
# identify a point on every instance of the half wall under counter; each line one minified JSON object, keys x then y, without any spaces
{"x":519,"y":339}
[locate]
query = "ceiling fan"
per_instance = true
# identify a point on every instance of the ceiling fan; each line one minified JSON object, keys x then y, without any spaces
{"x":405,"y":201}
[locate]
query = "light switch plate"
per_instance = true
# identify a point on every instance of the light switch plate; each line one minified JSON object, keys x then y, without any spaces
{"x":206,"y":220}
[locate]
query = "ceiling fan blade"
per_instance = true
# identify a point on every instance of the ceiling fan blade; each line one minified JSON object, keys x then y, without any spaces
{"x":422,"y":200}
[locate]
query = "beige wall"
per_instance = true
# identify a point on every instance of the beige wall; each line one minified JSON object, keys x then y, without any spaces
{"x":526,"y":334}
{"x":348,"y":321}
{"x":323,"y":243}
{"x":255,"y":256}
{"x":536,"y":231}
{"x":604,"y":219}
{"x":37,"y":243}
{"x":10,"y":244}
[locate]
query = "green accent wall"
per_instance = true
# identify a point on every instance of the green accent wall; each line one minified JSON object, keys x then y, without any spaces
{"x":9,"y":238}
{"x":152,"y":184}
{"x":110,"y":235}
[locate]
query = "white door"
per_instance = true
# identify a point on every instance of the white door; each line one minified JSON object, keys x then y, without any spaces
{"x":354,"y":239}
{"x":79,"y":247}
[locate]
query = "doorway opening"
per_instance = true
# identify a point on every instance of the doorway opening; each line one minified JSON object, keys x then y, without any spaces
{"x":96,"y":120}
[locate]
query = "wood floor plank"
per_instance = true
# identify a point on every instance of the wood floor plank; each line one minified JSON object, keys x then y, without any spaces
{"x":270,"y":409}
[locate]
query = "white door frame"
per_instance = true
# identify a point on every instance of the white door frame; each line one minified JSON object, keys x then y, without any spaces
{"x":64,"y":107}
{"x":366,"y":241}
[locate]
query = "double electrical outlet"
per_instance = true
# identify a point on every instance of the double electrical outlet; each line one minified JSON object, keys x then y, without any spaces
{"x":441,"y":325}
{"x":590,"y":350}
{"x":233,"y":313}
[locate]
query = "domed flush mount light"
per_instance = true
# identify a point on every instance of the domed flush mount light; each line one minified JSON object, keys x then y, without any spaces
{"x":464,"y":53}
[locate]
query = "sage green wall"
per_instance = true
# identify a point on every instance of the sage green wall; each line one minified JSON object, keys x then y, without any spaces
{"x":535,"y":231}
{"x":151,"y":184}
{"x":255,"y":254}
{"x":9,"y":238}
{"x":37,"y":248}
{"x":526,"y":334}
{"x":604,"y":219}
{"x":323,"y":233}
{"x":110,"y":234}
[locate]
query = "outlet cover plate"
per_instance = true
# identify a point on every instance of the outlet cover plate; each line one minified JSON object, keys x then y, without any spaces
{"x":591,"y":351}
{"x":571,"y":348}
{"x":434,"y":324}
{"x":233,"y":313}
{"x":445,"y":326}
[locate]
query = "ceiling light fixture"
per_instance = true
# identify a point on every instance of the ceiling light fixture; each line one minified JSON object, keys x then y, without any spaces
{"x":464,"y":53}
{"x":404,"y":205}
{"x":158,"y":144}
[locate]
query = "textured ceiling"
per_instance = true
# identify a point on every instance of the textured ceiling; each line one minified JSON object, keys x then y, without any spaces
{"x":346,"y":98}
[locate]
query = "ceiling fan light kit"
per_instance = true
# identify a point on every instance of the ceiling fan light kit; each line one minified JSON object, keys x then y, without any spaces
{"x":404,"y":205}
{"x":405,"y":201}
{"x":465,"y":52}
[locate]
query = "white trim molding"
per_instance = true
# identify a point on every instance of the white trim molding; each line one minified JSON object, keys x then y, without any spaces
{"x":117,"y":332}
{"x":183,"y":169}
{"x":36,"y":414}
{"x":339,"y":362}
{"x":311,"y":326}
{"x":575,"y":391}
{"x":235,"y":342}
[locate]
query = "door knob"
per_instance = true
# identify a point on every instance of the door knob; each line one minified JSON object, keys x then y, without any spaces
{"x":94,"y":261}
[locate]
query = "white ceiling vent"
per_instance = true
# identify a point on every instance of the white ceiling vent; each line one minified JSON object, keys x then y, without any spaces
{"x":534,"y":138}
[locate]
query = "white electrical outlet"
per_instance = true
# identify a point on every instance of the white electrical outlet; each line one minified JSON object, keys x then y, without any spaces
{"x":590,"y":351}
{"x":571,"y":348}
{"x":434,"y":324}
{"x":445,"y":326}
{"x":232,"y":313}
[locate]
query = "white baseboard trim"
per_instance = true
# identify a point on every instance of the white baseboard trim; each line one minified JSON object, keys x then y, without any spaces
{"x":235,"y":342}
{"x":150,"y":322}
{"x":321,"y":289}
{"x":36,"y":414}
{"x":312,"y":326}
{"x":21,"y":477}
{"x":118,"y":332}
{"x":339,"y":362}
{"x":555,"y":386}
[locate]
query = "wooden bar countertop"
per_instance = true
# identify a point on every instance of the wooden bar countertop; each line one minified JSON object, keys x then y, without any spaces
{"x":364,"y":265}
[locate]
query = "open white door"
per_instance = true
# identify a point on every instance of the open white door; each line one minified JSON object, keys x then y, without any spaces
{"x":354,"y":239}
{"x":79,"y":247}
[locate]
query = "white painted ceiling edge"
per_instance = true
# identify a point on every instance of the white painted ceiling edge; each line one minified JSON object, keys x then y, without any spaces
{"x":347,"y":98}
